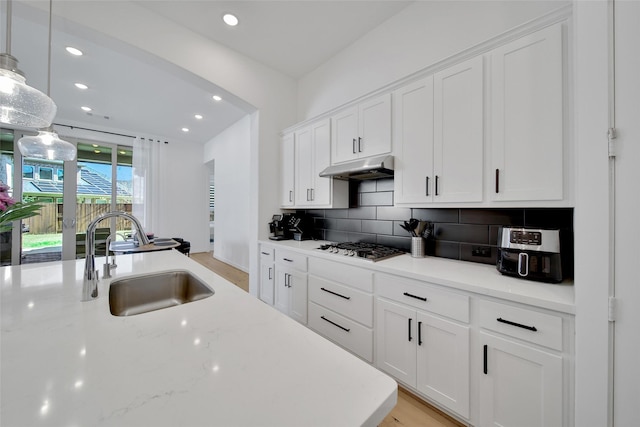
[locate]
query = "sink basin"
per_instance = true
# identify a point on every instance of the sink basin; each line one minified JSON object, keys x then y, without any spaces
{"x":140,"y":294}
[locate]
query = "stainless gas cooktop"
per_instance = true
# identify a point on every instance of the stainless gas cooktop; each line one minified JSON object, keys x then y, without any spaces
{"x":368,"y":251}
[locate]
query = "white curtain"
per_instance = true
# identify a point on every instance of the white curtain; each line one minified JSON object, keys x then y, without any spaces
{"x":146,"y":184}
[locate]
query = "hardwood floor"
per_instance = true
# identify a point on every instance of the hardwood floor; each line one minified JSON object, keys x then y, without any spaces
{"x":410,"y":411}
{"x":232,"y":274}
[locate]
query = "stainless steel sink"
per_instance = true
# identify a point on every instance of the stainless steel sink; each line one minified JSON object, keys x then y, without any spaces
{"x":140,"y":294}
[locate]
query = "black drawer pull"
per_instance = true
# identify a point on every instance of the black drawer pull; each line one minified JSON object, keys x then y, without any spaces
{"x":335,"y":293}
{"x":485,"y":360}
{"x":335,"y":324}
{"x":497,"y":181}
{"x":409,"y":329}
{"x":419,"y":333}
{"x":437,"y":184}
{"x":407,"y":294}
{"x":426,"y":186}
{"x":287,"y":259}
{"x":265,"y":253}
{"x":519,"y":325}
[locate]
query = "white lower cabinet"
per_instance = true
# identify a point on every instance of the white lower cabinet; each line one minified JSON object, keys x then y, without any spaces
{"x":267,"y":274}
{"x":520,"y":385}
{"x":522,"y":378}
{"x":341,"y":305}
{"x":425,"y":352}
{"x":290,"y":286}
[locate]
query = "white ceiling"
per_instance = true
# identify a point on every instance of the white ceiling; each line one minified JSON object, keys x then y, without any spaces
{"x":136,"y":93}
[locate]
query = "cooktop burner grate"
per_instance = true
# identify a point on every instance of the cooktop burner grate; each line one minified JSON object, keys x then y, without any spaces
{"x":369,"y":251}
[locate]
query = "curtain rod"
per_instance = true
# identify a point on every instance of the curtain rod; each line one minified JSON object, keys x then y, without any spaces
{"x":109,"y":133}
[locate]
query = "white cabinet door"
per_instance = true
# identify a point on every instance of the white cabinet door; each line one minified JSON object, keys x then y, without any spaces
{"x":374,"y":134}
{"x":443,"y":362}
{"x":281,"y":290}
{"x":396,"y":333}
{"x":520,"y":386}
{"x":458,"y":154}
{"x":413,"y":142}
{"x":321,"y":158}
{"x":291,"y":293}
{"x":303,"y":164}
{"x":527,"y":117}
{"x":287,"y":170}
{"x":267,"y":277}
{"x":344,"y":135}
{"x":298,"y":296}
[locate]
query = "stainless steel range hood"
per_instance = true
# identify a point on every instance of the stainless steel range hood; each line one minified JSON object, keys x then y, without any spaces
{"x":361,"y":169}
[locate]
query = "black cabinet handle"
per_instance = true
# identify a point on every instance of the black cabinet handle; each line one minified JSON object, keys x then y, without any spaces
{"x":359,"y":145}
{"x":497,"y":180}
{"x":407,"y":294}
{"x":287,"y":259}
{"x":270,"y":273}
{"x":519,"y":325}
{"x":437,"y":179}
{"x":354,"y":146}
{"x":290,"y":196}
{"x":265,"y":253}
{"x":409,"y":329}
{"x":335,"y":293}
{"x":335,"y":324}
{"x":419,"y":333}
{"x":427,"y":186}
{"x":485,"y":360}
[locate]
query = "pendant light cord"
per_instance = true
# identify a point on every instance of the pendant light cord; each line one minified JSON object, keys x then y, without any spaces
{"x":8,"y":39}
{"x":49,"y":56}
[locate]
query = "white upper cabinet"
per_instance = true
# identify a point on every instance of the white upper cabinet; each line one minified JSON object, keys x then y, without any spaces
{"x":458,"y":133}
{"x":287,"y":171}
{"x":438,"y":137}
{"x":312,"y":155}
{"x":413,"y":142}
{"x":362,"y":131}
{"x":527,"y":118}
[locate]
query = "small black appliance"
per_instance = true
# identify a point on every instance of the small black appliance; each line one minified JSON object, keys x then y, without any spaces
{"x":280,"y":227}
{"x":530,"y":253}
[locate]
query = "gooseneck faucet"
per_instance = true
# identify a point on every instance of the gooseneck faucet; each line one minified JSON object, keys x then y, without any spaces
{"x":90,"y":282}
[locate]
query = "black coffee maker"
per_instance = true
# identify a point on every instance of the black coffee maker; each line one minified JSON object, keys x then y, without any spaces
{"x":280,"y":227}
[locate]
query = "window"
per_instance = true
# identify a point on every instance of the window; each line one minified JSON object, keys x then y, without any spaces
{"x":60,"y":174}
{"x":27,"y":171}
{"x":46,"y":173}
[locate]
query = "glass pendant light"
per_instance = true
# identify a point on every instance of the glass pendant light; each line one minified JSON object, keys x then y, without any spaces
{"x":46,"y":144}
{"x":20,"y":104}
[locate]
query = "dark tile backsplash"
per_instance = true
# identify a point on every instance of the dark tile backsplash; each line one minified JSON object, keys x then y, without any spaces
{"x":462,"y":234}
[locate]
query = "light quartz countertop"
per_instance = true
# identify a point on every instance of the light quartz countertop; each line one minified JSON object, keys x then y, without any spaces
{"x":481,"y":279}
{"x":227,"y":360}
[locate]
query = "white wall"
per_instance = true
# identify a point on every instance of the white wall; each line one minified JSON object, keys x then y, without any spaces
{"x":233,"y":185}
{"x":418,"y":36}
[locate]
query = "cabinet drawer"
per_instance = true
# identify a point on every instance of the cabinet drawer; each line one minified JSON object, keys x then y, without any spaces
{"x":533,"y":326}
{"x":291,"y":259}
{"x":342,"y":299}
{"x":423,"y":296}
{"x":345,"y":332}
{"x":267,"y":253}
{"x":359,"y":278}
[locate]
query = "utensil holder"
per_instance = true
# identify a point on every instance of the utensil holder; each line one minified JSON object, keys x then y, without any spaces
{"x":418,"y":245}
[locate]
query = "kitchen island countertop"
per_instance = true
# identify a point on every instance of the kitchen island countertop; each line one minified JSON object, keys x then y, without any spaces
{"x":227,"y":360}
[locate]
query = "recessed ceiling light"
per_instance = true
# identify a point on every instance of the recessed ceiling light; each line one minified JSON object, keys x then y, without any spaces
{"x":123,"y":152}
{"x":216,"y":98}
{"x":95,"y":145}
{"x":185,"y":129}
{"x":230,"y":19}
{"x":74,"y":51}
{"x":97,"y":151}
{"x":86,"y":108}
{"x":81,"y":86}
{"x":198,"y":116}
